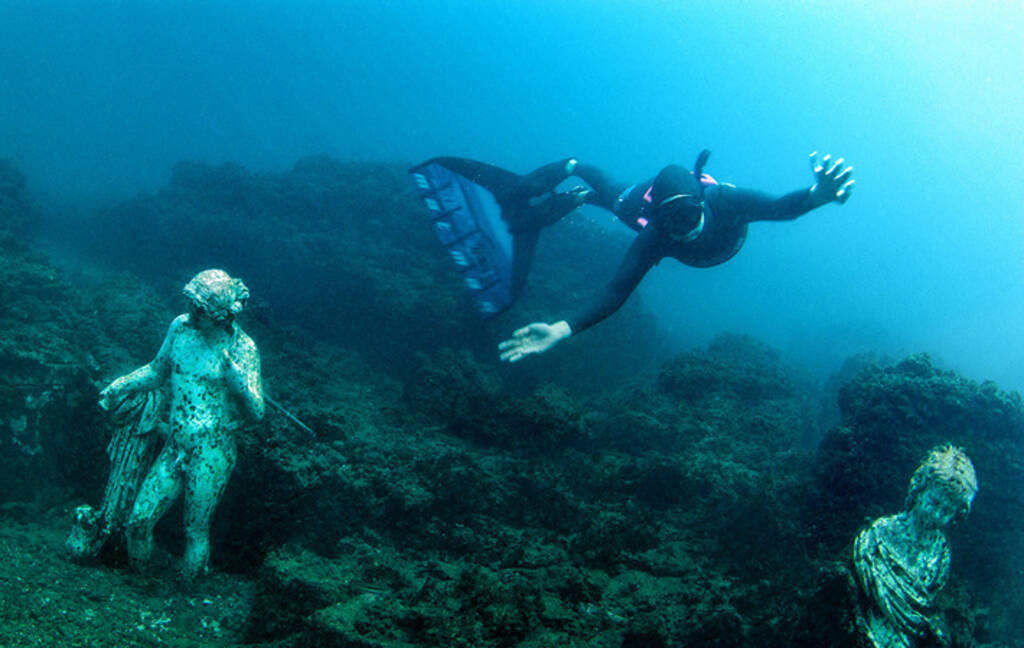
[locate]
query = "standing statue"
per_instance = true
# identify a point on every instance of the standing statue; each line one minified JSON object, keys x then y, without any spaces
{"x":212,"y":370}
{"x":902,"y":561}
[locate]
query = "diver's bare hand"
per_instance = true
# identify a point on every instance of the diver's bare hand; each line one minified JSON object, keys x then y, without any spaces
{"x":834,"y":181}
{"x":533,"y":338}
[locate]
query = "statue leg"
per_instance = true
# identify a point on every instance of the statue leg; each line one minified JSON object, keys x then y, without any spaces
{"x":161,"y":487}
{"x":204,"y":485}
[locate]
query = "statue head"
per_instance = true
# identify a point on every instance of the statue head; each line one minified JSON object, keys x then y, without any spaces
{"x":943,"y":486}
{"x":217,"y":295}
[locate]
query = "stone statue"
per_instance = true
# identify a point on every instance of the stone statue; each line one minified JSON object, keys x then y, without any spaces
{"x":902,"y":561}
{"x":212,"y":370}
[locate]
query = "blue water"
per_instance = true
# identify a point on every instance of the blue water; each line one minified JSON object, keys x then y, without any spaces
{"x":99,"y":99}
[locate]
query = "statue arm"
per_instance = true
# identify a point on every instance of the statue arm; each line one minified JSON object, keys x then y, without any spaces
{"x":148,"y":376}
{"x":242,"y":371}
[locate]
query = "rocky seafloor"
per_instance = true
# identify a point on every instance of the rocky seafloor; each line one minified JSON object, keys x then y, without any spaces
{"x":636,"y":497}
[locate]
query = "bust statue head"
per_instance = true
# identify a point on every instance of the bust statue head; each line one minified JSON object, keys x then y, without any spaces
{"x":942,"y":488}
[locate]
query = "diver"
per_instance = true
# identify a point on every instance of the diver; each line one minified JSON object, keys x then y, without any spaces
{"x":680,"y":214}
{"x":213,"y":370}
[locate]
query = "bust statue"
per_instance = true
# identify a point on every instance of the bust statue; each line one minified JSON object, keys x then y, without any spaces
{"x":902,"y":561}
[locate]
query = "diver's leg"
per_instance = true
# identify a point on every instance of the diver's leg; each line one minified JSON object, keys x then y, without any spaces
{"x":517,"y":194}
{"x":548,"y":212}
{"x":506,"y":184}
{"x":498,"y":181}
{"x":527,"y":230}
{"x":544,"y":179}
{"x":605,"y":190}
{"x":204,"y":485}
{"x":156,"y":495}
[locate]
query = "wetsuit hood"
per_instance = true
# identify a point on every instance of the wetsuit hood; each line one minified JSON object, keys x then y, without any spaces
{"x":683,"y":209}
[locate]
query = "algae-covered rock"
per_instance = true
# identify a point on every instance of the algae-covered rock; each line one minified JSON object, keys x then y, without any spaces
{"x":51,"y":346}
{"x":18,"y":215}
{"x":733,"y":365}
{"x":454,"y":389}
{"x":472,"y":401}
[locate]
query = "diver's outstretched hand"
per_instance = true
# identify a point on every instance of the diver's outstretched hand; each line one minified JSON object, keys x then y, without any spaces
{"x":833,"y":180}
{"x":533,"y":338}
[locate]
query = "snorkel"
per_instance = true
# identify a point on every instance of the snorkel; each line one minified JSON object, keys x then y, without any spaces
{"x":698,"y":172}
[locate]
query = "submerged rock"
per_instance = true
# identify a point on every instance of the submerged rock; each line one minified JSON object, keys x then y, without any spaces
{"x":18,"y":215}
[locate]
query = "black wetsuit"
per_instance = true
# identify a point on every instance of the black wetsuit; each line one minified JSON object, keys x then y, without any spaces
{"x":728,"y":211}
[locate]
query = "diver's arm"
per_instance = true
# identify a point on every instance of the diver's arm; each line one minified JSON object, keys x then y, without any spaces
{"x":148,"y":376}
{"x":538,"y":337}
{"x":833,"y":184}
{"x":750,"y":205}
{"x":640,"y":258}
